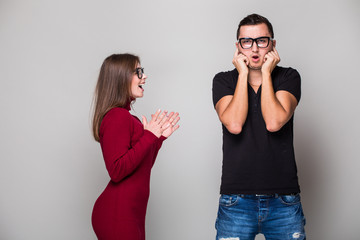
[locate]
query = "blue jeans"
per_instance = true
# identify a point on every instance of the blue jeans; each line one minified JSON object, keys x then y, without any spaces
{"x":242,"y":217}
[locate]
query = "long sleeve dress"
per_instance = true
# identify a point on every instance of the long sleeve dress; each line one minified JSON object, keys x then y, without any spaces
{"x":129,"y":152}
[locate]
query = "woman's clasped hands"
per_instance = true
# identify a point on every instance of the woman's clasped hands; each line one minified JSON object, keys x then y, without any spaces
{"x":162,"y":123}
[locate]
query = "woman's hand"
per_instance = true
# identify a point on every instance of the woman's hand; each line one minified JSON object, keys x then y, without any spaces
{"x":158,"y":123}
{"x":172,"y":119}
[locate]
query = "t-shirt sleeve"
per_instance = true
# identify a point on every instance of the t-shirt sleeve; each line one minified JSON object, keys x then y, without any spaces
{"x":291,"y":82}
{"x":222,"y":86}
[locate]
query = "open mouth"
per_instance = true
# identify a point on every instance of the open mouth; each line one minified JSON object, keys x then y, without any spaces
{"x":255,"y":58}
{"x":141,"y":86}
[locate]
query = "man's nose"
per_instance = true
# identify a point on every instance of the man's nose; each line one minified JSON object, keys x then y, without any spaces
{"x":255,"y":47}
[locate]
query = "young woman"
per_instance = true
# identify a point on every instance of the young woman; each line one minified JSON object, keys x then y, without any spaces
{"x":129,"y":148}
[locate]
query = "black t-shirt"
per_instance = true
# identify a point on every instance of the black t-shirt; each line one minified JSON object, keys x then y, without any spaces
{"x":257,"y":161}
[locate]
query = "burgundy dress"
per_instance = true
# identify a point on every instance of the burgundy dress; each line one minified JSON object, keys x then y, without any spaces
{"x":129,"y":152}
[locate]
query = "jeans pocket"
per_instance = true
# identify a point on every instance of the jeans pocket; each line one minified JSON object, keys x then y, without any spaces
{"x":228,"y":200}
{"x":290,"y":199}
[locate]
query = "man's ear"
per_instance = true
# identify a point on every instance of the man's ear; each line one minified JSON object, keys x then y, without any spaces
{"x":237,"y":45}
{"x":274,"y":43}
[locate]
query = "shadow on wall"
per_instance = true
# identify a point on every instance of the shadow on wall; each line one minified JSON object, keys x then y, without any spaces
{"x":310,"y":158}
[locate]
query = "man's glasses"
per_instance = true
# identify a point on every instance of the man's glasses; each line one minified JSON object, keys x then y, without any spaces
{"x":139,"y":72}
{"x":261,"y":42}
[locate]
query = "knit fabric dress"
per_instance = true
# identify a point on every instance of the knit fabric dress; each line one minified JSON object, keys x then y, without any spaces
{"x":129,"y":152}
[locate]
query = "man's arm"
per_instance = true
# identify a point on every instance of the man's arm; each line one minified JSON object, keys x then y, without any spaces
{"x":277,"y":108}
{"x":232,"y":110}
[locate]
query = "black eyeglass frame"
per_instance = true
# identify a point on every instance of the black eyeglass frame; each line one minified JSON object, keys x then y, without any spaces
{"x":139,"y":72}
{"x":255,"y":40}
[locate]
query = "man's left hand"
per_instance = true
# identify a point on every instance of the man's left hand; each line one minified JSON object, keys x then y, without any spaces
{"x":271,"y":59}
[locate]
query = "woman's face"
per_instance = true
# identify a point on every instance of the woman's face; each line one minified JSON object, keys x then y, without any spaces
{"x":137,"y":90}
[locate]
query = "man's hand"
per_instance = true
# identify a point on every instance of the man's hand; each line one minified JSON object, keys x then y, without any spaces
{"x":271,"y":59}
{"x":241,"y":62}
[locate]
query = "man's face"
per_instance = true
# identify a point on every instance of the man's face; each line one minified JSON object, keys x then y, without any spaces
{"x":255,"y":54}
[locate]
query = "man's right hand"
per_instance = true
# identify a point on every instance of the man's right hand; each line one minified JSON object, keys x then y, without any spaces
{"x":241,"y":62}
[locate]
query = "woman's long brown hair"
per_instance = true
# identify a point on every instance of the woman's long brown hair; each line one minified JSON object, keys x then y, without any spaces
{"x":113,"y":87}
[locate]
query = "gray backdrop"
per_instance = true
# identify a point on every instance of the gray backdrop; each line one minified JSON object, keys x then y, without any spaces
{"x":52,"y":171}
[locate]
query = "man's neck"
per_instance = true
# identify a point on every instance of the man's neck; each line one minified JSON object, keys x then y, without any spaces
{"x":255,"y":77}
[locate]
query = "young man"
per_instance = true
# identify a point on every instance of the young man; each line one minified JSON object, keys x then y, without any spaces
{"x":255,"y":103}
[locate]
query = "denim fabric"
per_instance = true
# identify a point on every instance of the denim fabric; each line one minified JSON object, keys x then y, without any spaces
{"x":242,"y":217}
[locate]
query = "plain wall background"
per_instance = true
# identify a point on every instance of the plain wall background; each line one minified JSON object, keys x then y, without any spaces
{"x":52,"y":171}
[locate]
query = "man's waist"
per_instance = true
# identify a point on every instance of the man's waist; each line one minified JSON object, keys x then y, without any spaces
{"x":262,"y":196}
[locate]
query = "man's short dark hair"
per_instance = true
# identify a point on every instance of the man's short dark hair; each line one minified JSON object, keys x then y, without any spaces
{"x":255,"y":19}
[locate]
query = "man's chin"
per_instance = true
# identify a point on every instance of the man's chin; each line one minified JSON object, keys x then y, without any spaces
{"x":254,"y":67}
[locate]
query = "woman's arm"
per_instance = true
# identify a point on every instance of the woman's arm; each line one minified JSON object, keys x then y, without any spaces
{"x":121,"y":159}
